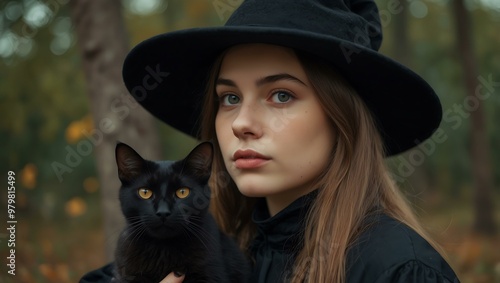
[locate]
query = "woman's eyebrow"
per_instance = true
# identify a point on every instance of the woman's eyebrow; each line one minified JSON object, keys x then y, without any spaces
{"x":222,"y":81}
{"x":262,"y":81}
{"x":278,"y":77}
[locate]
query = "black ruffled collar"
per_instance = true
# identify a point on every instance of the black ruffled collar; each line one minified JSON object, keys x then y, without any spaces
{"x":278,"y":238}
{"x":276,"y":231}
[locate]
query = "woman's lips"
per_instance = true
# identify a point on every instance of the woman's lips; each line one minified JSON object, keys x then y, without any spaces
{"x":249,"y":159}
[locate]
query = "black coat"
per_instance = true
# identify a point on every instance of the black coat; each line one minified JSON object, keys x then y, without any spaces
{"x":388,"y":251}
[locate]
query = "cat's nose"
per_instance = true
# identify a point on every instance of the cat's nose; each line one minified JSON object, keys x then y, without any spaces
{"x":163,"y":212}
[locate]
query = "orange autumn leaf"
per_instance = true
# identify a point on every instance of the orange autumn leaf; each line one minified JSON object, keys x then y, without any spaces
{"x":76,"y":129}
{"x":74,"y":132}
{"x":76,"y":207}
{"x":29,"y":175}
{"x":48,"y":272}
{"x":91,"y":184}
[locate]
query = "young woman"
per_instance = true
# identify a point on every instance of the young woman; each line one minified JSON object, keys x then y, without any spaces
{"x":302,"y":111}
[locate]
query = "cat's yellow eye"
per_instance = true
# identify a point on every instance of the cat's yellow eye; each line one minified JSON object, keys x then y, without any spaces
{"x":182,"y":192}
{"x":145,"y":193}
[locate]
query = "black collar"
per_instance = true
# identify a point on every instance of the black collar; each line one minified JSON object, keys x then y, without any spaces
{"x":280,"y":231}
{"x":278,"y":239}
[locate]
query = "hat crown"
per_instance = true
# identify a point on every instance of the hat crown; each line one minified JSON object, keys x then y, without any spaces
{"x":355,"y":21}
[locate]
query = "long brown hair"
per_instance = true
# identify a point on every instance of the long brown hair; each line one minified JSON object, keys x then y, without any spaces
{"x":355,"y":184}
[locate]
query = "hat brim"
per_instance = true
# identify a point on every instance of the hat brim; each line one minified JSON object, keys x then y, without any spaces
{"x":406,"y":108}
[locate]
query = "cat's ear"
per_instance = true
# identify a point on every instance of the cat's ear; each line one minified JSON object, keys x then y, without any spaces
{"x":130,"y":163}
{"x":199,"y":161}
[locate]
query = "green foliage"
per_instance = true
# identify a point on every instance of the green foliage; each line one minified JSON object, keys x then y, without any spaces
{"x":434,"y":55}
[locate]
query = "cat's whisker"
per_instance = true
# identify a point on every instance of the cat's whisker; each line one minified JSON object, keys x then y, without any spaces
{"x":193,"y":232}
{"x":200,"y":233}
{"x":135,"y":225}
{"x":136,"y":230}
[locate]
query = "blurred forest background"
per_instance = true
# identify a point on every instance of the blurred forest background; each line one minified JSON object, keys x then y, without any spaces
{"x":60,"y":65}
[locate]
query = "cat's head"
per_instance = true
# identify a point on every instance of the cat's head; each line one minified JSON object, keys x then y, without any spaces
{"x":163,"y":198}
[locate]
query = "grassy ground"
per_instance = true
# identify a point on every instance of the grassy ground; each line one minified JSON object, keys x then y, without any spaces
{"x":62,"y":250}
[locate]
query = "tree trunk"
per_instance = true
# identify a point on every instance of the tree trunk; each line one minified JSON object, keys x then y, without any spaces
{"x":482,"y":170}
{"x":401,"y":47}
{"x":418,"y":181}
{"x":103,"y":44}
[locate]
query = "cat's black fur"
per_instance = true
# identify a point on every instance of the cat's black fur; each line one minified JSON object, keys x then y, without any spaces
{"x":166,"y":233}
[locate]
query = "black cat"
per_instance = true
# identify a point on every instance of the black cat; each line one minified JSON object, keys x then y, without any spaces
{"x":169,"y":228}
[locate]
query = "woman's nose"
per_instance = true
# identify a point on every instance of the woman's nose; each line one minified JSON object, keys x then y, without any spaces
{"x":248,"y":122}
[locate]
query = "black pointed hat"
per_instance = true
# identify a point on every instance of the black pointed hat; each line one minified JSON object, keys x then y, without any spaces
{"x":167,"y":73}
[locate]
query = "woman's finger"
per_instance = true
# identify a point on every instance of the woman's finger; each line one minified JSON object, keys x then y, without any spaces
{"x":173,"y":277}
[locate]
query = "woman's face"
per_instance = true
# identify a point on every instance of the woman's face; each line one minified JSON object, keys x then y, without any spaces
{"x":273,"y":133}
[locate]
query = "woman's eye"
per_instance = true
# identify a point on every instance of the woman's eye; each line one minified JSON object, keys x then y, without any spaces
{"x":230,"y":99}
{"x":281,"y":97}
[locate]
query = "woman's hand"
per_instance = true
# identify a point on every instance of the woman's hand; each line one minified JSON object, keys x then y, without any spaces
{"x":173,"y":277}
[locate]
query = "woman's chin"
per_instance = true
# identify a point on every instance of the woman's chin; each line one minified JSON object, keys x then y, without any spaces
{"x":255,"y":192}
